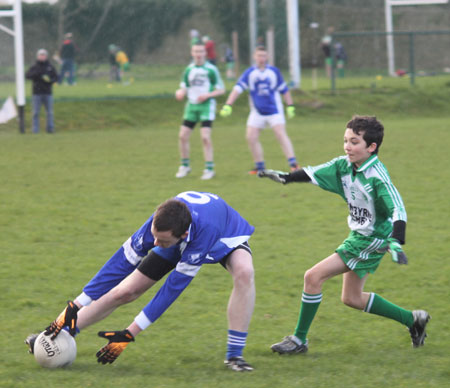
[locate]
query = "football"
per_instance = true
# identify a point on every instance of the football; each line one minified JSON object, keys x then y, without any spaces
{"x":56,"y":353}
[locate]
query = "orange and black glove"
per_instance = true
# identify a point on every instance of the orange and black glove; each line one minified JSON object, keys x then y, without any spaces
{"x":67,"y":318}
{"x":118,"y":341}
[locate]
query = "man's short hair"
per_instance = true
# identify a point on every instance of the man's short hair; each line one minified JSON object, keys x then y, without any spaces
{"x":372,"y":128}
{"x":42,"y":52}
{"x":172,"y":215}
{"x":260,"y":48}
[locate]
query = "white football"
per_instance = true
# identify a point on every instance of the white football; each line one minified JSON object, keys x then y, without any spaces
{"x":56,"y":353}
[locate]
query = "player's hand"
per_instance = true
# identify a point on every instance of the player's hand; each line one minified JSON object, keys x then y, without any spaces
{"x":277,"y":176}
{"x":67,"y":318}
{"x":290,"y":111}
{"x":118,"y":341}
{"x":226,"y":111}
{"x":46,"y":78}
{"x":396,"y":251}
{"x":179,"y":94}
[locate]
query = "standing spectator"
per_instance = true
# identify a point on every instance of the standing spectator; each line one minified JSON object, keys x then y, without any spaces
{"x":67,"y":54}
{"x":114,"y":70}
{"x":326,"y":48}
{"x":265,"y":84}
{"x":229,"y":61}
{"x":210,"y":47}
{"x":43,"y":75}
{"x":123,"y":63}
{"x":341,"y":58}
{"x":201,"y":83}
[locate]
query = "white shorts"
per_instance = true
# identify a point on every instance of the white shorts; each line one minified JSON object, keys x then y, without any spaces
{"x":257,"y":120}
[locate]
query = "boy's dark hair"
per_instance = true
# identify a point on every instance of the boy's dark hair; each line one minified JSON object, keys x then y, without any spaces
{"x":260,"y":48}
{"x":172,"y":215}
{"x":372,"y":128}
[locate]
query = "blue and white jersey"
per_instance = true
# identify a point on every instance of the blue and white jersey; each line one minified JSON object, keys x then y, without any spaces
{"x":215,"y":231}
{"x":264,"y":87}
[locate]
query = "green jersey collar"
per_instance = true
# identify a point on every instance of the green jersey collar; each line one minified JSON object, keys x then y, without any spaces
{"x":368,"y":163}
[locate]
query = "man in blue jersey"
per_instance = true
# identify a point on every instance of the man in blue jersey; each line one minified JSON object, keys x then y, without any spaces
{"x":265,"y":84}
{"x":185,"y":232}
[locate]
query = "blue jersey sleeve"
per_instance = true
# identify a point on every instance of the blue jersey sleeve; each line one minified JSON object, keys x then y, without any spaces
{"x":174,"y":285}
{"x":243,"y":80}
{"x":281,"y":84}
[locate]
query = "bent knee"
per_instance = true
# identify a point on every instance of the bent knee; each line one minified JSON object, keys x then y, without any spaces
{"x":312,"y":278}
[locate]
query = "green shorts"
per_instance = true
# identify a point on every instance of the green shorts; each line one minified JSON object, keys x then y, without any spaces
{"x":205,"y":111}
{"x":361,"y":253}
{"x":328,"y":61}
{"x":126,"y":66}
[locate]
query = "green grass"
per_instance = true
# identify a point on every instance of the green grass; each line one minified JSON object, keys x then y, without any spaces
{"x":69,"y":200}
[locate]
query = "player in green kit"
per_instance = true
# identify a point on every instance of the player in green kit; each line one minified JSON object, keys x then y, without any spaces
{"x":201,"y":83}
{"x":377,"y":221}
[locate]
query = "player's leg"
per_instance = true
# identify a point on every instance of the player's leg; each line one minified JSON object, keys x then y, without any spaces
{"x":37,"y":101}
{"x":240,"y":306}
{"x":152,"y":268}
{"x":128,"y":290}
{"x":184,"y":148}
{"x":208,"y":152}
{"x":279,"y":130}
{"x":311,"y":298}
{"x":48,"y":103}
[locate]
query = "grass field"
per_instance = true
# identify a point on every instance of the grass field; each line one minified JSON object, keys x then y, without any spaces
{"x":69,"y":200}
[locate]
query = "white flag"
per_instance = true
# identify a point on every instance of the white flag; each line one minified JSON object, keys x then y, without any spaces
{"x":8,"y":111}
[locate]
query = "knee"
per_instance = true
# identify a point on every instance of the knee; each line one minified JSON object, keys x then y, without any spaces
{"x":184,"y":134}
{"x":252,"y":136}
{"x":244,"y":277}
{"x":206,"y":140}
{"x":311,"y":278}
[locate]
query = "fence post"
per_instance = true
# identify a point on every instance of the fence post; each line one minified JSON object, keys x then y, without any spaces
{"x":411,"y":58}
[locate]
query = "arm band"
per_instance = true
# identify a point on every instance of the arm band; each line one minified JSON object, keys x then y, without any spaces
{"x":399,"y":230}
{"x":298,"y":176}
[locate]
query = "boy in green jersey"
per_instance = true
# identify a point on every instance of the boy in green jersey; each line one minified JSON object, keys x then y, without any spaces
{"x":377,"y":220}
{"x":200,"y":84}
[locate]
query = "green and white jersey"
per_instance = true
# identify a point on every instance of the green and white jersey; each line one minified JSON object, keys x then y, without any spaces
{"x":373,"y":201}
{"x":200,"y":80}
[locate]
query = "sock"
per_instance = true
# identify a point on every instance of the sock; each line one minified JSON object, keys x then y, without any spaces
{"x":310,"y":304}
{"x":260,"y":165}
{"x":77,"y":330}
{"x":185,"y":162}
{"x":209,"y":166}
{"x":293,"y":162}
{"x":236,"y":343}
{"x":380,"y":306}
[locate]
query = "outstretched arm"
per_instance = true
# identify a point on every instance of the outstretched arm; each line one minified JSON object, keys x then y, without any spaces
{"x":284,"y":178}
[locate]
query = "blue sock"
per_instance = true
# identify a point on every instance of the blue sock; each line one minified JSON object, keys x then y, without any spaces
{"x":77,"y":330}
{"x":260,"y":165}
{"x":236,"y":343}
{"x":292,"y":162}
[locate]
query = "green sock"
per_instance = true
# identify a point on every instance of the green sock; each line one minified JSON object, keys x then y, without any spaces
{"x":185,"y":162}
{"x":380,"y":306}
{"x":209,"y":166}
{"x":310,"y":304}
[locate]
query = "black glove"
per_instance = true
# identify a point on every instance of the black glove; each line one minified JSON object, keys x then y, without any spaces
{"x":118,"y":341}
{"x":277,"y":176}
{"x":67,"y":318}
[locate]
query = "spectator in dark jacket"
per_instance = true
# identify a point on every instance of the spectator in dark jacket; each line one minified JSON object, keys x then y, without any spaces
{"x":43,"y":75}
{"x":67,"y":54}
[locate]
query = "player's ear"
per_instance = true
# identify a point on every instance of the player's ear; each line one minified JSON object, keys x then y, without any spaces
{"x":372,"y":147}
{"x":184,"y":235}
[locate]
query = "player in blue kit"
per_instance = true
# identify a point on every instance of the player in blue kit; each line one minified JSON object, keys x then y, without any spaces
{"x":266,"y":85}
{"x":185,"y":232}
